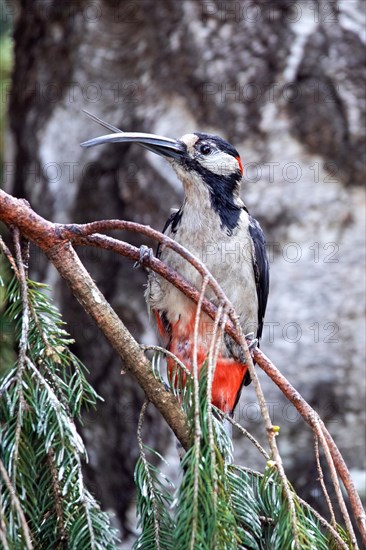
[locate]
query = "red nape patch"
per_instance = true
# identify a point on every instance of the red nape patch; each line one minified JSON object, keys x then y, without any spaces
{"x":240,"y":164}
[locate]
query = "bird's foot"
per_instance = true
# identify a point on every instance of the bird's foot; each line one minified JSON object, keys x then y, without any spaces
{"x":146,"y":253}
{"x":237,"y":351}
{"x":251,"y":341}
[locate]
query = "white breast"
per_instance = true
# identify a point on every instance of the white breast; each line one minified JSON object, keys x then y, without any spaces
{"x":228,"y":258}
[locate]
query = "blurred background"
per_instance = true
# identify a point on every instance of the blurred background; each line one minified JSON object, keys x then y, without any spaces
{"x":284,"y":82}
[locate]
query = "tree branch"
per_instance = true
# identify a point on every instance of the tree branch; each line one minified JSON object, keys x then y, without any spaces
{"x":66,"y":261}
{"x":61,"y":253}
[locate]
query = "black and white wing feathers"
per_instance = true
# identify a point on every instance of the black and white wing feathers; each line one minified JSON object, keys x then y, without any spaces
{"x":171,"y":223}
{"x":261,"y":269}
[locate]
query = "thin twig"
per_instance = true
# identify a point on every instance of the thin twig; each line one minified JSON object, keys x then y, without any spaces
{"x":271,"y":433}
{"x":23,"y":344}
{"x":74,"y":232}
{"x":197,"y":423}
{"x":148,"y":475}
{"x":129,"y":251}
{"x":48,"y":347}
{"x":9,"y":256}
{"x":248,"y":435}
{"x":3,"y":529}
{"x":321,"y":481}
{"x":58,"y":495}
{"x":25,"y":251}
{"x":213,"y":353}
{"x":3,"y":540}
{"x":16,"y":504}
{"x":337,"y":487}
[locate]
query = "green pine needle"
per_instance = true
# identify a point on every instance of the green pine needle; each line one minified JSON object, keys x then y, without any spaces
{"x":40,"y":447}
{"x":235,"y":508}
{"x":154,"y":500}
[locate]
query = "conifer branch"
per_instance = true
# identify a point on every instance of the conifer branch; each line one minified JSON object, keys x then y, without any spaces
{"x":22,"y":347}
{"x":312,"y":418}
{"x":330,"y":528}
{"x":153,"y":499}
{"x":270,"y":430}
{"x":306,"y":505}
{"x":148,"y":475}
{"x":46,"y":424}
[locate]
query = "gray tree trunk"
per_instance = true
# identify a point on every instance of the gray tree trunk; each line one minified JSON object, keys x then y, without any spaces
{"x":284,"y":82}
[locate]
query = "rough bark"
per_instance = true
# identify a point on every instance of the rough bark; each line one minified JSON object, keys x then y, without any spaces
{"x":284,"y":82}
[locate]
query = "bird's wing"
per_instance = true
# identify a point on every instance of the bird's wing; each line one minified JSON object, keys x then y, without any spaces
{"x":261,"y":277}
{"x":170,"y":227}
{"x":261,"y":269}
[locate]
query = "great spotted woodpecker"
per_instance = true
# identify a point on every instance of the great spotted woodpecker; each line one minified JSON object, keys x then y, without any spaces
{"x":214,"y":224}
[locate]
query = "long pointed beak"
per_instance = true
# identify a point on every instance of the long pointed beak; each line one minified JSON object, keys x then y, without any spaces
{"x":160,"y":145}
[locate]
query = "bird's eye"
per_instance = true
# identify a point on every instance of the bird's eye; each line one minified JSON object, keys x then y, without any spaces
{"x":205,"y":149}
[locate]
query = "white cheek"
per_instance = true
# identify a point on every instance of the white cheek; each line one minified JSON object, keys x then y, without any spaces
{"x":221,"y":164}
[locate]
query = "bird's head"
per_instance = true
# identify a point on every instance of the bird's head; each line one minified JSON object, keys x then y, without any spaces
{"x":204,"y":163}
{"x":209,"y":160}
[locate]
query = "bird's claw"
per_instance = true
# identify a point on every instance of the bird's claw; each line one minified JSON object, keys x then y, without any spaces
{"x":146,"y":253}
{"x":251,"y":341}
